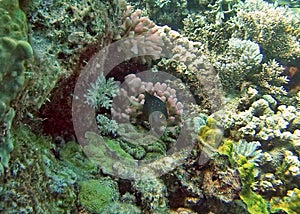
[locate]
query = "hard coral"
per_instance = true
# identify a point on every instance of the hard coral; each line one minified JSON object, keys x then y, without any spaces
{"x":132,"y":98}
{"x":270,"y":26}
{"x":95,"y":195}
{"x":14,"y":50}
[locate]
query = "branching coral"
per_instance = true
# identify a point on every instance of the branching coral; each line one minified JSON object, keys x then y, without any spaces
{"x":106,"y":126}
{"x":128,"y":104}
{"x":101,"y":92}
{"x":142,"y":36}
{"x":100,"y":95}
{"x":251,"y":46}
{"x":188,"y":62}
{"x":270,"y":26}
{"x":238,"y":61}
{"x":270,"y":124}
{"x":159,"y":11}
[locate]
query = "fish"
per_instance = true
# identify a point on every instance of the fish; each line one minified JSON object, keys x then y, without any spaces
{"x":292,"y":71}
{"x":154,"y":110}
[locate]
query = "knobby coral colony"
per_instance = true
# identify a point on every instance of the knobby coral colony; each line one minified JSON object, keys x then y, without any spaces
{"x":245,"y":158}
{"x":143,"y":98}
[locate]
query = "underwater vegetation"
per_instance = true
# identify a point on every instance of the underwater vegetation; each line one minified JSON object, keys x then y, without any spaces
{"x":219,"y":133}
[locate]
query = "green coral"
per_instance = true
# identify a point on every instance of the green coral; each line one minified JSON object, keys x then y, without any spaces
{"x":290,"y":203}
{"x":105,"y":152}
{"x":153,"y":195}
{"x":105,"y":125}
{"x":101,"y":92}
{"x":72,"y":154}
{"x":12,"y":56}
{"x":210,"y":134}
{"x":255,"y":203}
{"x":6,"y":144}
{"x":241,"y":155}
{"x":12,"y":20}
{"x":14,"y":50}
{"x":35,"y":171}
{"x":95,"y":195}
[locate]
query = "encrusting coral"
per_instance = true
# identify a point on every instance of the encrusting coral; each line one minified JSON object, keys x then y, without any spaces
{"x":14,"y":50}
{"x":94,"y":195}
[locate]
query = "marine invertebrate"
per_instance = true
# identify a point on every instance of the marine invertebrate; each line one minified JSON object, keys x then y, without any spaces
{"x":95,"y":195}
{"x":248,"y":150}
{"x":100,"y":96}
{"x":142,"y":36}
{"x":159,"y":10}
{"x":211,"y":134}
{"x":255,"y":51}
{"x":101,"y":93}
{"x":263,"y":120}
{"x":153,"y":194}
{"x":271,"y":79}
{"x":242,"y":63}
{"x":188,"y":62}
{"x":132,"y":97}
{"x":106,"y":126}
{"x":6,"y":144}
{"x":261,"y":21}
{"x":33,"y":173}
{"x":237,"y":62}
{"x":289,"y":203}
{"x":269,"y":123}
{"x":14,"y":50}
{"x":62,"y":47}
{"x":121,"y":208}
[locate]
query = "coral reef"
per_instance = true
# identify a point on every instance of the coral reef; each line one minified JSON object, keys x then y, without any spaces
{"x":244,"y":45}
{"x":64,"y":35}
{"x":99,"y":96}
{"x":260,"y":21}
{"x":290,"y":203}
{"x":132,"y":97}
{"x":33,"y":171}
{"x":95,"y":195}
{"x":159,"y":11}
{"x":14,"y":50}
{"x":172,"y":143}
{"x":153,"y":195}
{"x":6,"y":144}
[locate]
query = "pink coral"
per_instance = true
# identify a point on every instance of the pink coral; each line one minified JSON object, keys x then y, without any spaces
{"x":128,"y":104}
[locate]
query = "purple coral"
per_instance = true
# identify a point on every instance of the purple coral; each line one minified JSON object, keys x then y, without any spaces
{"x":128,"y":104}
